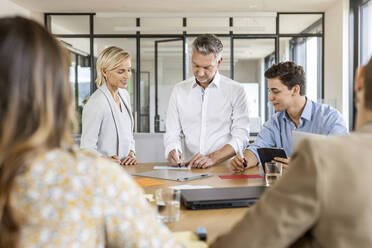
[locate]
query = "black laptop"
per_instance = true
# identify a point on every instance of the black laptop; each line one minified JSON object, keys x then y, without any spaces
{"x":213,"y":198}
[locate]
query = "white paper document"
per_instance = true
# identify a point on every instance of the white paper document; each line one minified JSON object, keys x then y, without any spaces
{"x":185,"y":186}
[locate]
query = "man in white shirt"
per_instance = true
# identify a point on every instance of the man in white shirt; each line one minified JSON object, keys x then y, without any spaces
{"x":209,"y":111}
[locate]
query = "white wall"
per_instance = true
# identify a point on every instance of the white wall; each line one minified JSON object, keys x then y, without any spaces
{"x":150,"y":147}
{"x":246,"y":71}
{"x":336,"y":56}
{"x":261,"y":80}
{"x":9,"y":8}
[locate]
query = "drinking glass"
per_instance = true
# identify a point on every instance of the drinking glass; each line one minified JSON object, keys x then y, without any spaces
{"x":168,"y":204}
{"x":273,"y":171}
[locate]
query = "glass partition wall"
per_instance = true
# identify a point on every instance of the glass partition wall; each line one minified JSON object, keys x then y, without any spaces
{"x":160,"y":47}
{"x":360,"y":48}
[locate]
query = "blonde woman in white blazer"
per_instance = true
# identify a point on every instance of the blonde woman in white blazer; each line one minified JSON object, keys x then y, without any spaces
{"x":107,"y":121}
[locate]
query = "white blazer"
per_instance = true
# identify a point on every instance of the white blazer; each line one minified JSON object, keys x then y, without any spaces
{"x":100,"y":124}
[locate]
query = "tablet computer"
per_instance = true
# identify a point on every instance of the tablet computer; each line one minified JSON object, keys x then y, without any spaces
{"x":269,"y":153}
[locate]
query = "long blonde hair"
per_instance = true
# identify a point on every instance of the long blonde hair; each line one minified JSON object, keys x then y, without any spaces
{"x":108,"y":60}
{"x":35,"y":107}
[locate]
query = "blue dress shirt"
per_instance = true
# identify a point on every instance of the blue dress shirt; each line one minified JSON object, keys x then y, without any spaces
{"x":316,"y":118}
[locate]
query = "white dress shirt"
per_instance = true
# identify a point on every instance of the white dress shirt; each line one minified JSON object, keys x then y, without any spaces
{"x":208,"y":118}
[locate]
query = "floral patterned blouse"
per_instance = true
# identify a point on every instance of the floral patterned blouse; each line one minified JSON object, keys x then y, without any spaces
{"x":77,"y":199}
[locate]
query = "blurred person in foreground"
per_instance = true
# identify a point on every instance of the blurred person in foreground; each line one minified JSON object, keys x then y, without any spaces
{"x":323,"y":199}
{"x":52,"y":194}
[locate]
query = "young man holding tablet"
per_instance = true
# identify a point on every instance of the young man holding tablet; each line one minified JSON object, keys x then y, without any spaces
{"x":294,"y":111}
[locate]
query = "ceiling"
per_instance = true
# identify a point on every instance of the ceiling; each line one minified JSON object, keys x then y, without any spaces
{"x":118,"y":17}
{"x":171,"y":6}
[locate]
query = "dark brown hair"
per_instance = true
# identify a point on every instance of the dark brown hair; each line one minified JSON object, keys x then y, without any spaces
{"x":35,"y":107}
{"x":368,"y":85}
{"x":289,"y":73}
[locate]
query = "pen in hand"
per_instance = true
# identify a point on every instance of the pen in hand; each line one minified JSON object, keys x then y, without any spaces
{"x":244,"y":161}
{"x":178,"y":158}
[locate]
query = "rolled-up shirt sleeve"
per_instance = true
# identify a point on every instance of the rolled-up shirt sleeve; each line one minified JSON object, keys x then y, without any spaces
{"x":173,"y":135}
{"x":240,"y":122}
{"x":265,"y":138}
{"x":335,"y":123}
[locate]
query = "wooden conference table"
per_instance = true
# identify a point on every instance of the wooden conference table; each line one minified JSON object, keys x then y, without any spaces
{"x":216,"y":221}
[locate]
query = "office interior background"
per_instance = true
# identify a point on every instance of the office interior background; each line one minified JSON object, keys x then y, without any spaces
{"x":329,"y":38}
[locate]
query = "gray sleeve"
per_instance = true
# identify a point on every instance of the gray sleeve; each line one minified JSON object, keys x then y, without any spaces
{"x":92,"y":118}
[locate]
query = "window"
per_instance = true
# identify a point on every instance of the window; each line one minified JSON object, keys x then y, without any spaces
{"x":360,"y":45}
{"x":61,"y":24}
{"x":161,"y":53}
{"x":306,"y":52}
{"x":80,"y":70}
{"x":249,"y":68}
{"x":302,"y":43}
{"x":365,"y":32}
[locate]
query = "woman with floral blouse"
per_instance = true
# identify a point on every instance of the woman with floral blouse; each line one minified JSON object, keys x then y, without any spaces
{"x":52,"y":194}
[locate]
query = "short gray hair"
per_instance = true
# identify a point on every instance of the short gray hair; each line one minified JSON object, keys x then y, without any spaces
{"x":207,"y":44}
